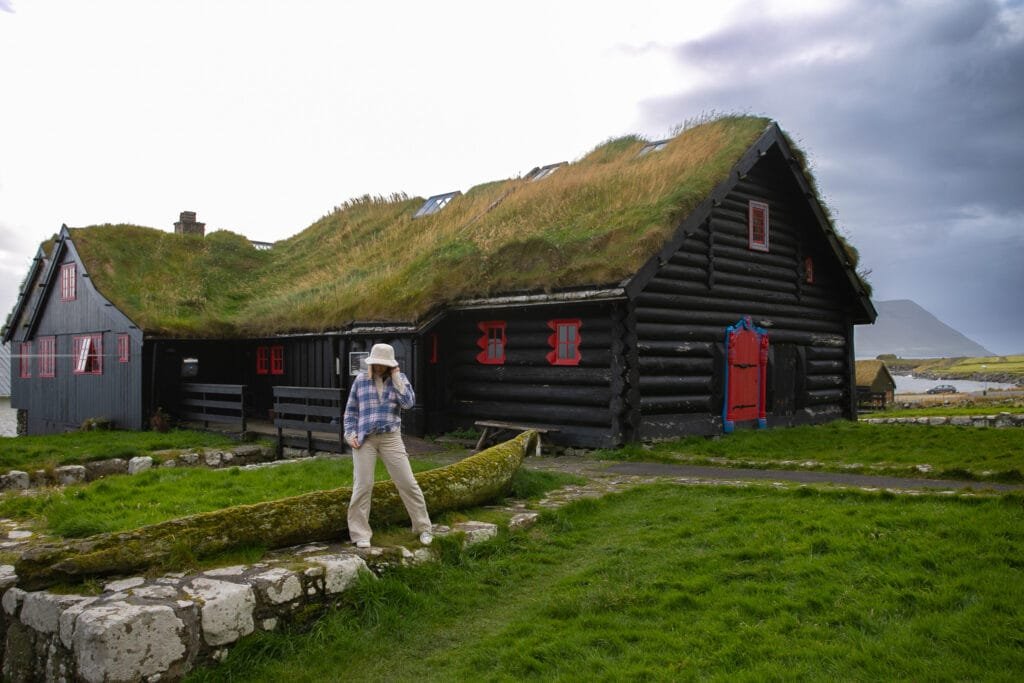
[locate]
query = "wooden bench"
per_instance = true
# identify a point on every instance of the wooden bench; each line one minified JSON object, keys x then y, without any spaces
{"x":313,"y":411}
{"x":493,"y":428}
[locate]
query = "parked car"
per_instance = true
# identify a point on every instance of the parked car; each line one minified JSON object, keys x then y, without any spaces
{"x":942,"y":389}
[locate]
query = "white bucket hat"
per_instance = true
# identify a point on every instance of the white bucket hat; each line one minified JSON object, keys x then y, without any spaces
{"x":382,"y":354}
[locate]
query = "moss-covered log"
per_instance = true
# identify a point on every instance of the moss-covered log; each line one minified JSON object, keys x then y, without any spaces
{"x":318,"y":516}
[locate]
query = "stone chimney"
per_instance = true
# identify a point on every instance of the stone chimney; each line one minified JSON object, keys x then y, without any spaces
{"x":187,"y":225}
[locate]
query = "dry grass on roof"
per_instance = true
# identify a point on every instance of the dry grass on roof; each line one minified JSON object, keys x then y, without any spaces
{"x":590,"y":223}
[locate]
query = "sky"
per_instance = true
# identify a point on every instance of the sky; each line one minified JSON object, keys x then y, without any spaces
{"x":263,"y":116}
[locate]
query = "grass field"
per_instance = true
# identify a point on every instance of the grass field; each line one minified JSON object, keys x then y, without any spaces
{"x":74,"y":448}
{"x":673,"y":583}
{"x":950,"y":452}
{"x":962,"y":407}
{"x":121,"y":503}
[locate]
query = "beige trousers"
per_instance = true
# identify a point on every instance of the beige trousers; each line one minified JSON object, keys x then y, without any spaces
{"x":391,"y":450}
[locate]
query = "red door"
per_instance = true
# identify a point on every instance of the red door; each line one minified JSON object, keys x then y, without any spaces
{"x":746,"y":371}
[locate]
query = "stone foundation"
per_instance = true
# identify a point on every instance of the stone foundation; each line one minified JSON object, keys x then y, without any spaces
{"x":999,"y":421}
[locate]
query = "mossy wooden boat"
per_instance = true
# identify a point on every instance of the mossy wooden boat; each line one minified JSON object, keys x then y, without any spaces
{"x":318,"y":516}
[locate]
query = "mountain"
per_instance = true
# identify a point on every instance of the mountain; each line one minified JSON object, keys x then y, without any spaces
{"x":909,"y":331}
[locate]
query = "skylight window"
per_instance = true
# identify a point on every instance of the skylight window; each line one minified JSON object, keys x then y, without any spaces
{"x":435,"y":204}
{"x":656,"y":146}
{"x":544,"y":171}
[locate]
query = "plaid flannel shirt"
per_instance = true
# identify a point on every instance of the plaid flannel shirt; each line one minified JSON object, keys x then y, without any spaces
{"x":365,"y":413}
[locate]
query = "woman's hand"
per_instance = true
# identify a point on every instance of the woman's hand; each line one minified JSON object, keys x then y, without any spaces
{"x":394,"y":372}
{"x":353,"y":441}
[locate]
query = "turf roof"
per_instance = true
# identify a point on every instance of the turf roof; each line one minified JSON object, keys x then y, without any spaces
{"x":594,"y":222}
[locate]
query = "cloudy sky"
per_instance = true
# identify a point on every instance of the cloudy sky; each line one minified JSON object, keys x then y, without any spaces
{"x":262,"y":116}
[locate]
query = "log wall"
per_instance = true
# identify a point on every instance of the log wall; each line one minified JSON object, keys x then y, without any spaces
{"x":575,"y":400}
{"x":713,"y":280}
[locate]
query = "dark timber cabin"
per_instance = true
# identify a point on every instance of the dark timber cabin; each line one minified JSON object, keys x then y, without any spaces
{"x":646,"y":291}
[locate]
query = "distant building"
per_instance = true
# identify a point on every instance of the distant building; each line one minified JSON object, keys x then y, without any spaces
{"x":875,"y":385}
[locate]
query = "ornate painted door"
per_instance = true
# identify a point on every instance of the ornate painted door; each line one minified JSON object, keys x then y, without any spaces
{"x":746,"y":352}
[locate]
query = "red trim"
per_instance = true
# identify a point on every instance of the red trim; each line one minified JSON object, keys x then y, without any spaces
{"x":564,"y":342}
{"x":277,"y":360}
{"x":124,"y":345}
{"x":68,"y":282}
{"x":758,"y":226}
{"x":492,"y":342}
{"x":434,"y":344}
{"x":262,"y":360}
{"x":87,"y":362}
{"x":47,"y":356}
{"x":25,"y":360}
{"x":809,"y":270}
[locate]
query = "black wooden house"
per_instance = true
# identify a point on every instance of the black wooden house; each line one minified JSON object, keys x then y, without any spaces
{"x":738,"y":311}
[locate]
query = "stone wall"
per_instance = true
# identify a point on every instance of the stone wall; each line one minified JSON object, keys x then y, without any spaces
{"x":162,"y":628}
{"x":999,"y":421}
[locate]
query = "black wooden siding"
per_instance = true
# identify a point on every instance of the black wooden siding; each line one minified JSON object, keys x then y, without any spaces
{"x":713,"y":280}
{"x":575,"y":400}
{"x":66,"y":400}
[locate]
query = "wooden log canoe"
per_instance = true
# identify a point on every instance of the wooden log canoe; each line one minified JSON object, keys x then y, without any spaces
{"x":317,"y":516}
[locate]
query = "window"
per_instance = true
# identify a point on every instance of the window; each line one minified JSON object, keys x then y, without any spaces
{"x":544,"y":171}
{"x":124,"y":346}
{"x":25,"y":360}
{"x":87,"y":354}
{"x":492,"y":342}
{"x":276,"y":360}
{"x":435,"y":204}
{"x":564,"y":342}
{"x":758,"y":226}
{"x":47,"y":356}
{"x":68,"y":282}
{"x":262,"y":360}
{"x":809,"y":270}
{"x":654,"y":147}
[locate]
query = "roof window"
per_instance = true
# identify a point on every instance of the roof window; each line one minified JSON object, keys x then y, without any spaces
{"x":544,"y":171}
{"x":435,"y":204}
{"x":656,"y":146}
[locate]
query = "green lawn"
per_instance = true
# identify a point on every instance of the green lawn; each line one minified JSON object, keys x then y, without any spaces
{"x":972,"y":408}
{"x":121,"y":503}
{"x":958,"y":452}
{"x":73,"y":448}
{"x":673,"y":583}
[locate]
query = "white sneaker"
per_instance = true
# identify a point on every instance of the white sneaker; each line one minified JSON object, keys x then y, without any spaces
{"x":426,"y":538}
{"x":362,"y":544}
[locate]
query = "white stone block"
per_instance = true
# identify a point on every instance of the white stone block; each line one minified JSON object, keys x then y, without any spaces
{"x":476,"y":531}
{"x":12,"y":600}
{"x":70,"y":474}
{"x":17,"y":480}
{"x":125,"y":642}
{"x":523,"y":520}
{"x":140,"y":464}
{"x":212,"y":458}
{"x":124,"y":584}
{"x":41,"y":610}
{"x":227,"y":609}
{"x":278,"y":585}
{"x":340,"y":571}
{"x":236,"y":570}
{"x":935,"y":421}
{"x":269,"y":624}
{"x":7,"y":576}
{"x":155,"y":593}
{"x":68,"y":618}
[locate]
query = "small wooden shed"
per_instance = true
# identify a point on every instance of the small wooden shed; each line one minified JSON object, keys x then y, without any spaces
{"x":875,"y":385}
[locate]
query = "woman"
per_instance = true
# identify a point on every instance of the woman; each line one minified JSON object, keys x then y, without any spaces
{"x":373,"y":427}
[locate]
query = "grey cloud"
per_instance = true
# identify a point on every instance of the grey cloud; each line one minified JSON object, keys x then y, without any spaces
{"x":915,"y":115}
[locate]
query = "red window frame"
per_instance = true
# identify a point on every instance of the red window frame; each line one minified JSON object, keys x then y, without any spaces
{"x":277,"y":360}
{"x":809,"y":270}
{"x":492,"y":342}
{"x":124,"y":345}
{"x":25,"y":360}
{"x":434,"y":345}
{"x":262,"y":360}
{"x":564,"y":342}
{"x":68,"y":282}
{"x":47,"y":362}
{"x":87,"y":362}
{"x":758,"y":226}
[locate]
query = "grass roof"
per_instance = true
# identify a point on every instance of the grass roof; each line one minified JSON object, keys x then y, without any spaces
{"x":592,"y":222}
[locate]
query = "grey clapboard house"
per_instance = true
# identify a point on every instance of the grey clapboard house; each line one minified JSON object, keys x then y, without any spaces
{"x":721,"y":301}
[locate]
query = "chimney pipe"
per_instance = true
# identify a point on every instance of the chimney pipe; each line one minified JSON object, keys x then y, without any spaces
{"x":187,"y":225}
